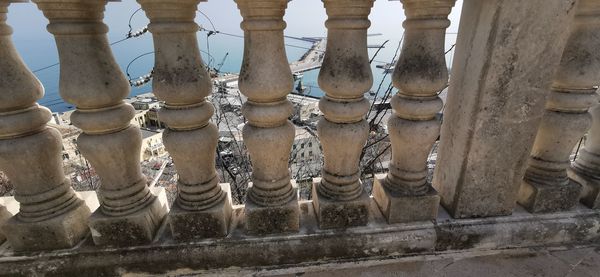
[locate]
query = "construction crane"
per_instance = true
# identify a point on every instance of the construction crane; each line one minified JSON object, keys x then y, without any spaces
{"x":218,"y":67}
{"x":214,"y":72}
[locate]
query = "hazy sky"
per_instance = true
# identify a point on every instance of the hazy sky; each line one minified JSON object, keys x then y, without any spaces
{"x":304,"y":18}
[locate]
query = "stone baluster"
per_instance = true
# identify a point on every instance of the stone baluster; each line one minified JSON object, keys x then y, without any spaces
{"x":586,"y":168}
{"x":202,"y":208}
{"x":91,"y":80}
{"x":50,"y":215}
{"x":339,"y":198}
{"x":546,"y":186}
{"x":421,"y":73}
{"x":266,"y":79}
{"x":5,"y":215}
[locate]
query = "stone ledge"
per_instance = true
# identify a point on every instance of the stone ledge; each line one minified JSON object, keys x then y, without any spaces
{"x":376,"y":240}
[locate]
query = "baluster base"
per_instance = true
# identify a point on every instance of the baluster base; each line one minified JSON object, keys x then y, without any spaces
{"x":590,"y":193}
{"x":133,"y":229}
{"x":5,"y":215}
{"x":272,"y":220}
{"x":543,"y":198}
{"x":213,"y":222}
{"x":333,"y":214}
{"x":405,"y":208}
{"x":60,"y":232}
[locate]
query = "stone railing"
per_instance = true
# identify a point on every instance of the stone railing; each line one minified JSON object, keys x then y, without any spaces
{"x":523,"y":81}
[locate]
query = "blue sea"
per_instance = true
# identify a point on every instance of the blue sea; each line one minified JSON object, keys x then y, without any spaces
{"x":38,"y":50}
{"x":129,"y":50}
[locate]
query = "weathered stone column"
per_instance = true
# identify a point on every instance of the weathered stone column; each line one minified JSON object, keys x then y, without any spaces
{"x":586,"y":37}
{"x":420,"y":74}
{"x":339,"y":198}
{"x":586,"y":169}
{"x":5,"y":215}
{"x":266,"y":79}
{"x":91,"y":80}
{"x":506,"y":56}
{"x":546,"y":186}
{"x":50,"y":216}
{"x":202,"y":208}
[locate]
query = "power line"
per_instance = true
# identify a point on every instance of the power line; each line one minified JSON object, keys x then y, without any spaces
{"x":55,"y":64}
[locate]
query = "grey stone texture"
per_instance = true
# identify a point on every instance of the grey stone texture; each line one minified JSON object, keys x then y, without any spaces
{"x":180,"y":78}
{"x":543,"y":198}
{"x":590,"y":183}
{"x":213,"y":222}
{"x":340,"y":214}
{"x":399,"y":208}
{"x":136,"y":228}
{"x":546,"y":186}
{"x":4,"y":216}
{"x":420,"y":74}
{"x":268,"y":134}
{"x":496,"y":100}
{"x":263,"y":220}
{"x":109,"y":142}
{"x":50,"y":215}
{"x":311,"y":244}
{"x":63,"y":231}
{"x":552,"y":262}
{"x":345,"y":77}
{"x":586,"y":168}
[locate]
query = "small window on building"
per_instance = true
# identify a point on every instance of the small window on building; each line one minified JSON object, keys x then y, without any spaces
{"x":302,"y":145}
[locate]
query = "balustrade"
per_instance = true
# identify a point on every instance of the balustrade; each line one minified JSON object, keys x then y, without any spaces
{"x":339,"y":198}
{"x":50,"y":216}
{"x":496,"y":101}
{"x":266,"y":79}
{"x":546,"y":186}
{"x":420,"y":74}
{"x":91,"y":80}
{"x":202,"y":208}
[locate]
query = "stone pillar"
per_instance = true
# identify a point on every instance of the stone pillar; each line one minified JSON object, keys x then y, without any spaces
{"x":5,"y":215}
{"x":546,"y":186}
{"x":339,"y":198}
{"x":421,"y":73}
{"x":266,"y":79}
{"x":202,"y":208}
{"x":90,"y":79}
{"x":586,"y":40}
{"x":586,"y":169}
{"x":50,"y":216}
{"x":506,"y":56}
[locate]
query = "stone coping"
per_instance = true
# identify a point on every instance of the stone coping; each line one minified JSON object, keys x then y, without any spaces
{"x":376,"y":240}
